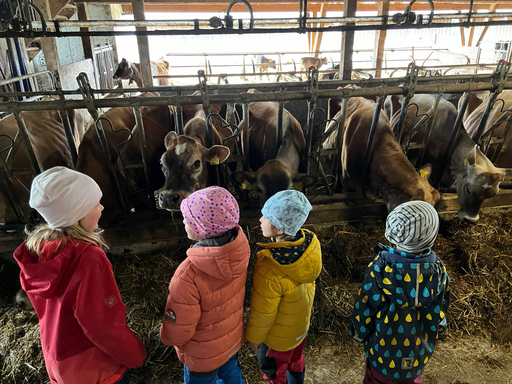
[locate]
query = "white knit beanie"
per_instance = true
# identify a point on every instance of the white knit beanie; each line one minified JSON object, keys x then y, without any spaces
{"x":412,"y":226}
{"x":63,"y":196}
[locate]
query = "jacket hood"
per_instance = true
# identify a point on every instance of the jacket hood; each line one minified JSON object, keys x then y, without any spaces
{"x":308,"y":266}
{"x":224,"y":262}
{"x":409,"y":280}
{"x":43,"y":275}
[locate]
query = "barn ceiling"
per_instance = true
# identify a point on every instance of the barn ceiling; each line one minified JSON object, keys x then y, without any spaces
{"x":293,"y":5}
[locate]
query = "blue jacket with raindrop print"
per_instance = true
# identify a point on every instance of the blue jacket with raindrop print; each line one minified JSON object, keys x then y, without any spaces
{"x":400,"y":310}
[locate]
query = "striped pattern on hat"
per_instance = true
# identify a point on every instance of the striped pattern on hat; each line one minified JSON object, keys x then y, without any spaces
{"x":412,"y":226}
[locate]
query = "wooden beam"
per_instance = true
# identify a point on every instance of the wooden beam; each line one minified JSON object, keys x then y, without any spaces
{"x":471,"y":34}
{"x":492,"y":9}
{"x":347,"y":42}
{"x":48,"y":44}
{"x":143,"y":44}
{"x":380,"y":39}
{"x":462,"y":37}
{"x":83,"y":15}
{"x":323,"y":12}
{"x":311,"y":35}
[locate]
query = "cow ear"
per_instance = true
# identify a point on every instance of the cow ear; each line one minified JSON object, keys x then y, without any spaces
{"x":303,"y":180}
{"x":217,"y":154}
{"x":245,"y":179}
{"x":333,"y":107}
{"x":123,"y":63}
{"x":471,"y":159}
{"x":425,"y":172}
{"x":168,"y":138}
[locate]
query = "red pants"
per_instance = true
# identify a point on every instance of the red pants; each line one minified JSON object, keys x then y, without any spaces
{"x":374,"y":377}
{"x":282,"y":367}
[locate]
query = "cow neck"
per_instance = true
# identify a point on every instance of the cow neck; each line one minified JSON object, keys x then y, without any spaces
{"x":136,"y":75}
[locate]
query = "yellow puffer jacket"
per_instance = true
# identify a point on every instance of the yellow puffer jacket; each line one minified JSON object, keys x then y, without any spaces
{"x":282,"y":295}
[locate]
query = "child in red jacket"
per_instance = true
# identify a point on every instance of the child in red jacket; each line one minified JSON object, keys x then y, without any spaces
{"x":69,"y":281}
{"x":204,"y":314}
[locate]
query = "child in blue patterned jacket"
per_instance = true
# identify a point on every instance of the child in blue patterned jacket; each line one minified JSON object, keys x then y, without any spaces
{"x":401,"y":308}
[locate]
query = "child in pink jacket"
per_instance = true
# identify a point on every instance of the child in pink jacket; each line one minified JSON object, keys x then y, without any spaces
{"x":204,"y":311}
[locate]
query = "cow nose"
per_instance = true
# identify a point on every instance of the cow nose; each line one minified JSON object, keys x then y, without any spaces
{"x":161,"y":199}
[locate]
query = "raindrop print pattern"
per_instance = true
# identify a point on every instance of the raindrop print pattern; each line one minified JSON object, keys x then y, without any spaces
{"x":399,"y":312}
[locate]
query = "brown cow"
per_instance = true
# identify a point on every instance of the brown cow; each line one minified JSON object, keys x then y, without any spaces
{"x":390,"y":173}
{"x":158,"y":121}
{"x":316,"y":62}
{"x":128,"y":70}
{"x":475,"y":178}
{"x":263,"y":64}
{"x":276,"y":167}
{"x":50,"y":147}
{"x":186,"y":162}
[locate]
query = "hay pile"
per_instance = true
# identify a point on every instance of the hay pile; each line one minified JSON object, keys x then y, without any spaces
{"x":478,"y":258}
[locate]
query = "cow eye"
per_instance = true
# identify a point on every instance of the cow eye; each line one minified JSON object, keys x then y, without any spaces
{"x":466,"y":190}
{"x":196,"y":164}
{"x":258,"y":189}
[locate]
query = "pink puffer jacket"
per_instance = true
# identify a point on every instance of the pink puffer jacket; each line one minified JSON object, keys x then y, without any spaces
{"x":204,"y":311}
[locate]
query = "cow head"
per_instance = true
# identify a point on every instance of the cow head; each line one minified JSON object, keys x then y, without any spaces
{"x":479,"y":180}
{"x":395,"y":195}
{"x":124,"y":70}
{"x":271,"y":178}
{"x":185,"y":166}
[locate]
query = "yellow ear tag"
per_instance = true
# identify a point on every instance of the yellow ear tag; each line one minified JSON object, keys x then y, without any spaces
{"x":423,"y":173}
{"x":297,"y":185}
{"x":246,"y":185}
{"x":215,"y":160}
{"x":465,"y":162}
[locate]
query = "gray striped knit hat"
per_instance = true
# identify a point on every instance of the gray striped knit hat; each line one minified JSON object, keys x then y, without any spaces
{"x":412,"y":226}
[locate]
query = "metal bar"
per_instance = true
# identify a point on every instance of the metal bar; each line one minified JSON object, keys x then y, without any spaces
{"x":139,"y":123}
{"x":142,"y":44}
{"x":339,"y":141}
{"x":225,"y":31}
{"x":257,"y":22}
{"x":6,"y":176}
{"x":432,"y":117}
{"x":313,"y":81}
{"x":485,"y":116}
{"x":64,"y":117}
{"x":451,"y":141}
{"x":30,"y":149}
{"x":246,"y":132}
{"x":369,"y":143}
{"x":178,"y":119}
{"x":12,"y":106}
{"x":504,"y":135}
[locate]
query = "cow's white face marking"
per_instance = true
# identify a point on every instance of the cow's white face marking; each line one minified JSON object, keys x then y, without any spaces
{"x":485,"y":186}
{"x":180,"y":148}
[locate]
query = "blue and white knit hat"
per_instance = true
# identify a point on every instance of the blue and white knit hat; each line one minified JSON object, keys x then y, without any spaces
{"x":287,"y":211}
{"x":412,"y":226}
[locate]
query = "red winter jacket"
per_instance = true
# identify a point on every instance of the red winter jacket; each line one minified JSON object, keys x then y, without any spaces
{"x":204,"y":315}
{"x":82,"y":320}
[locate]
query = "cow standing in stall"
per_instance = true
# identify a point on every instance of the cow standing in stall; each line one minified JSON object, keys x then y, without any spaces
{"x":475,"y":177}
{"x":317,"y":62}
{"x":158,"y":121}
{"x":390,"y":173}
{"x":50,"y":146}
{"x":276,"y":165}
{"x":131,"y":71}
{"x":263,"y":63}
{"x":187,"y":162}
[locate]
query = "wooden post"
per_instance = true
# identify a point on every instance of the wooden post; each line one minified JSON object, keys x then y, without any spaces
{"x":462,"y":39}
{"x":142,"y":42}
{"x":323,"y":12}
{"x":471,"y":33}
{"x":83,"y":15}
{"x":380,"y":39}
{"x":347,"y":42}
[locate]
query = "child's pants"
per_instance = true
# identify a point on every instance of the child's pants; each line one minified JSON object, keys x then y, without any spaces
{"x":374,"y":377}
{"x":228,"y":373}
{"x":282,"y":367}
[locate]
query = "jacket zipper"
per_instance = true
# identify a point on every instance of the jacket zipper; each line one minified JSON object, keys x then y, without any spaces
{"x":416,"y":300}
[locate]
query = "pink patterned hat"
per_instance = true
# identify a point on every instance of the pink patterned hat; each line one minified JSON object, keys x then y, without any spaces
{"x":210,"y":212}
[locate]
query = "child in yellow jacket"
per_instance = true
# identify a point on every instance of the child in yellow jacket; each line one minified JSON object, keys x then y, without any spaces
{"x":283,"y":288}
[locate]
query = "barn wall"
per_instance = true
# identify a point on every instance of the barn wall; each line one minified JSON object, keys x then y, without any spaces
{"x":102,"y":12}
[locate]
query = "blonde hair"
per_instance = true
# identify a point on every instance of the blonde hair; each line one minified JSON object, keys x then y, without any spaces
{"x":44,"y":233}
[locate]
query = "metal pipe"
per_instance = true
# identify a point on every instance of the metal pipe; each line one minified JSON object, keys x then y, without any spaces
{"x":432,"y":117}
{"x":337,"y":27}
{"x":28,"y":144}
{"x":178,"y":119}
{"x":503,"y":137}
{"x":328,"y":21}
{"x":21,"y":63}
{"x":339,"y":141}
{"x":27,"y":76}
{"x":246,"y":132}
{"x":11,"y":106}
{"x":14,"y":65}
{"x":485,"y":116}
{"x":64,"y":117}
{"x":139,"y":123}
{"x":369,"y":143}
{"x":451,"y":141}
